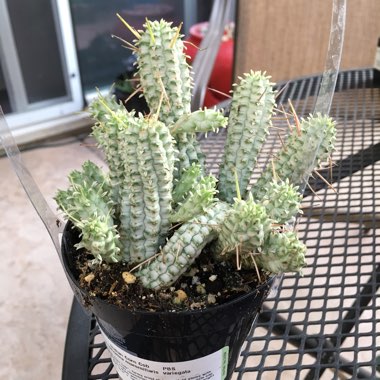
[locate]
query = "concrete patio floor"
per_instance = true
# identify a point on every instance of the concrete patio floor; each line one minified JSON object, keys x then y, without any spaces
{"x":35,"y":298}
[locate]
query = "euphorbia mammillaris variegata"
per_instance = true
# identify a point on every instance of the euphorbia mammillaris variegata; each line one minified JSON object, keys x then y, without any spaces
{"x":157,"y":180}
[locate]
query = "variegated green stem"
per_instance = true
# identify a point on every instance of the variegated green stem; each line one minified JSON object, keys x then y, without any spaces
{"x":112,"y":119}
{"x":169,"y":146}
{"x":182,"y":249}
{"x":110,"y":135}
{"x":166,"y":83}
{"x":100,"y":237}
{"x":248,"y":126}
{"x":125,"y":220}
{"x":163,"y":71}
{"x":282,"y":252}
{"x":87,"y":204}
{"x":87,"y":194}
{"x":189,"y":152}
{"x":148,"y":183}
{"x":202,"y":121}
{"x":244,"y":229}
{"x":295,"y":161}
{"x":189,"y":178}
{"x":165,"y":158}
{"x":282,"y":201}
{"x":200,"y":197}
{"x":101,"y":107}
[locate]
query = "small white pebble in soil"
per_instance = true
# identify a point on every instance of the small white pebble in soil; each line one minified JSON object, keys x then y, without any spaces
{"x":128,"y":278}
{"x":196,"y":305}
{"x":195,"y":280}
{"x":165,"y":296}
{"x":183,"y":285}
{"x":143,"y":297}
{"x":192,"y":272}
{"x":211,"y":298}
{"x":213,"y":277}
{"x":89,"y":278}
{"x":200,"y":289}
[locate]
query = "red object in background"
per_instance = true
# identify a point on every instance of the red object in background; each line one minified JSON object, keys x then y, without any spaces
{"x":221,"y":75}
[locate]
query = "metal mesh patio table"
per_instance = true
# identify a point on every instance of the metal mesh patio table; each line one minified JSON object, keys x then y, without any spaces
{"x":326,"y":323}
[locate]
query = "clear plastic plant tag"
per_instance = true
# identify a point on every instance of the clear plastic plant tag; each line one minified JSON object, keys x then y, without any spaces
{"x":330,"y":74}
{"x":276,"y":284}
{"x":131,"y":367}
{"x":333,"y":58}
{"x":50,"y":220}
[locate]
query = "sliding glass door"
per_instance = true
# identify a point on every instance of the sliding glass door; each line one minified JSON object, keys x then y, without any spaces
{"x":40,"y":80}
{"x":39,"y":76}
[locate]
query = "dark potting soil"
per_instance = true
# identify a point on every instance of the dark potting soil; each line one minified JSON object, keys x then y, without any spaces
{"x":205,"y":284}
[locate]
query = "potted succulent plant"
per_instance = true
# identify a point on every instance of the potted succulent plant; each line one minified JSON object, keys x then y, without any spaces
{"x":173,"y":261}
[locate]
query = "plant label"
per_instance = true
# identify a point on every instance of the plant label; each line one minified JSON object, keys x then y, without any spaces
{"x":130,"y":367}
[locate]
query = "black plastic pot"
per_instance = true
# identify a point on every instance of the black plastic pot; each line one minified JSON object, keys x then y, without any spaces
{"x":170,"y":336}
